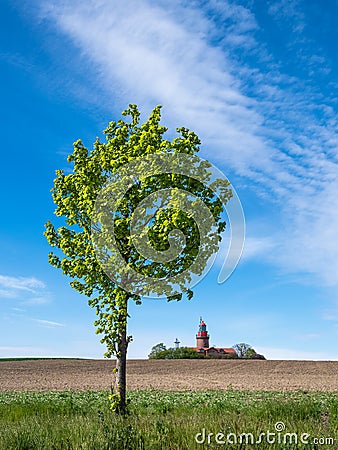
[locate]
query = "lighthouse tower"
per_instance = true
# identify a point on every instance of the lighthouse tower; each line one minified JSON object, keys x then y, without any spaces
{"x":202,"y":337}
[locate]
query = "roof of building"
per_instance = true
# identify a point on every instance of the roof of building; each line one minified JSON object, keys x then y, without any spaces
{"x":218,"y":349}
{"x":226,"y":350}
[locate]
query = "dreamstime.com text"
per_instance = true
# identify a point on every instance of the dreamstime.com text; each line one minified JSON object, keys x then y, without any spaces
{"x":279,"y":436}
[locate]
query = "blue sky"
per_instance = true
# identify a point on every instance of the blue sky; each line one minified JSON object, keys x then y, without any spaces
{"x":257,"y":81}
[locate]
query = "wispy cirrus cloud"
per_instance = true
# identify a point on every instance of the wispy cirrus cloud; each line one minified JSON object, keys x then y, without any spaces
{"x":29,"y":284}
{"x":28,"y":290}
{"x":262,"y":123}
{"x":48,"y":323}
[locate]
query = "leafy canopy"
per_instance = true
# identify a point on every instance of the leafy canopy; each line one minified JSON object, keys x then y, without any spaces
{"x":75,"y":195}
{"x":159,"y":351}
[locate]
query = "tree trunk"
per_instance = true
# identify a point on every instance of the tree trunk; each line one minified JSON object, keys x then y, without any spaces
{"x":121,"y":371}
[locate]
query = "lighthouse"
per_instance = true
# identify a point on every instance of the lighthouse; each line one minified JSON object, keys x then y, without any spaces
{"x":202,"y":337}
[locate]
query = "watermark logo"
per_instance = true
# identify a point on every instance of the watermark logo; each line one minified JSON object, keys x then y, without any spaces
{"x":177,"y":196}
{"x":279,"y":436}
{"x":279,"y":426}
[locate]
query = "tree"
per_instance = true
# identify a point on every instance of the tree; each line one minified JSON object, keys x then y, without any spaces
{"x":98,"y":244}
{"x":186,"y":353}
{"x":175,"y":353}
{"x":252,"y":354}
{"x":242,"y":349}
{"x":257,"y":356}
{"x":156,"y":349}
{"x":159,"y":352}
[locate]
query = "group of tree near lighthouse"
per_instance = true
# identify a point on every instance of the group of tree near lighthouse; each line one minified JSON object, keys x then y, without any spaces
{"x":75,"y":195}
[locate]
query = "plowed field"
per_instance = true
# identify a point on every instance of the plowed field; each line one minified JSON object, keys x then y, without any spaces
{"x":41,"y":375}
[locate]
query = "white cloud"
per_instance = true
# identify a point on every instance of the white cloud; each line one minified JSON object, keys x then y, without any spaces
{"x":287,"y":9}
{"x":331,"y":314}
{"x":28,"y":290}
{"x":38,"y":300}
{"x":256,"y":247}
{"x":21,"y":283}
{"x":266,"y":126}
{"x":8,"y":293}
{"x":157,"y":58}
{"x":49,"y":323}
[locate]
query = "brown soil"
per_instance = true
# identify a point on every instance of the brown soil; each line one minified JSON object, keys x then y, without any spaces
{"x":42,"y":375}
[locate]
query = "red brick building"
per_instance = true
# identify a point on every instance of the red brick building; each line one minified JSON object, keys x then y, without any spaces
{"x":202,"y":344}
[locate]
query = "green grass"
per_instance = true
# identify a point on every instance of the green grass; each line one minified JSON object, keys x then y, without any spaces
{"x":162,"y":420}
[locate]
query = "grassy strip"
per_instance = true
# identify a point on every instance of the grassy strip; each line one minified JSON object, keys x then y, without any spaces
{"x":162,"y":420}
